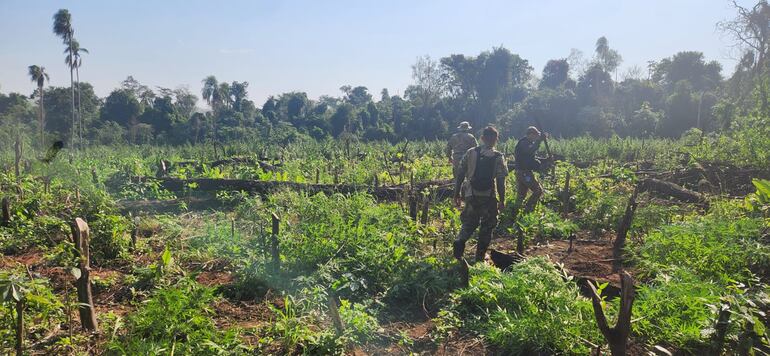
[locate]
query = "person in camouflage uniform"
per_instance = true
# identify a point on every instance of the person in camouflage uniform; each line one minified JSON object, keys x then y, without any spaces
{"x":458,"y":144}
{"x":526,"y":164}
{"x":481,"y":185}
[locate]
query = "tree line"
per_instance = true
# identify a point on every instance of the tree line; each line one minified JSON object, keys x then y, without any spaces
{"x":572,"y":96}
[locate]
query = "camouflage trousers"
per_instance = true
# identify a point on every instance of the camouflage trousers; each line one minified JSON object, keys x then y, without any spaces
{"x":481,"y":213}
{"x":526,"y":181}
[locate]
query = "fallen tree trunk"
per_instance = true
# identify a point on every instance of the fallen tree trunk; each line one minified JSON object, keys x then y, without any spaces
{"x":668,"y":189}
{"x":233,"y":160}
{"x":441,"y":190}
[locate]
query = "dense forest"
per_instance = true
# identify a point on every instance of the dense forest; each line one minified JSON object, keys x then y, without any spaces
{"x":580,"y":94}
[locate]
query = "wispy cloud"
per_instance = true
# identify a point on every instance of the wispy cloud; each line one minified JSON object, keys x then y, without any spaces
{"x":236,"y":50}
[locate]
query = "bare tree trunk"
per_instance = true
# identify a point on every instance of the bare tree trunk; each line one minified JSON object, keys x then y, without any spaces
{"x":72,"y":94}
{"x":42,"y":119}
{"x":80,"y":113}
{"x":80,"y":236}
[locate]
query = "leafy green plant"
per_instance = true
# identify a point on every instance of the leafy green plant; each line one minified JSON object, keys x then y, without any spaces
{"x":176,"y":318}
{"x":674,"y":309}
{"x":710,"y":247}
{"x":528,"y":310}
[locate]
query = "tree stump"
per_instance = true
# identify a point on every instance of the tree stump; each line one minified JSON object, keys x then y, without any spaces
{"x":617,"y":336}
{"x":80,"y":236}
{"x":622,"y":232}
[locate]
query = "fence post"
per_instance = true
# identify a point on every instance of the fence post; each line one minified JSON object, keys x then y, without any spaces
{"x":80,"y":236}
{"x":274,"y":251}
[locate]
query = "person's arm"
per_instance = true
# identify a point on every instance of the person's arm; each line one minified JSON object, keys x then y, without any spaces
{"x":459,"y":178}
{"x":502,"y":172}
{"x":500,"y":191}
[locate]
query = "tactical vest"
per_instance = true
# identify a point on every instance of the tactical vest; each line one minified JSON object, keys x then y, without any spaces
{"x":483,"y":175}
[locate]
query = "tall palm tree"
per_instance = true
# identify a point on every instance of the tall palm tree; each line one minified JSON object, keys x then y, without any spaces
{"x":210,"y":92}
{"x":77,"y":60}
{"x":213,"y":96}
{"x":38,"y":75}
{"x":62,"y":27}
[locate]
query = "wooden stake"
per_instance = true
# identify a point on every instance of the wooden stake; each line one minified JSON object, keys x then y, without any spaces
{"x":19,"y":327}
{"x":317,"y":175}
{"x":565,"y":197}
{"x":135,"y":233}
{"x":274,"y":251}
{"x":723,"y":321}
{"x":424,"y":215}
{"x":80,"y":236}
{"x":335,"y":313}
{"x":94,"y":176}
{"x":17,"y":148}
{"x":413,"y":207}
{"x":519,"y":239}
{"x":616,"y":336}
{"x":232,"y":229}
{"x":622,"y":232}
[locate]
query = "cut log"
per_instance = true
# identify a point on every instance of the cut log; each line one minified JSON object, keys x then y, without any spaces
{"x":80,"y":236}
{"x":617,"y":336}
{"x":668,"y":189}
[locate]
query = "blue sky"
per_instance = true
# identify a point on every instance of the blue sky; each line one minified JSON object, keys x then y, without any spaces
{"x":318,"y":46}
